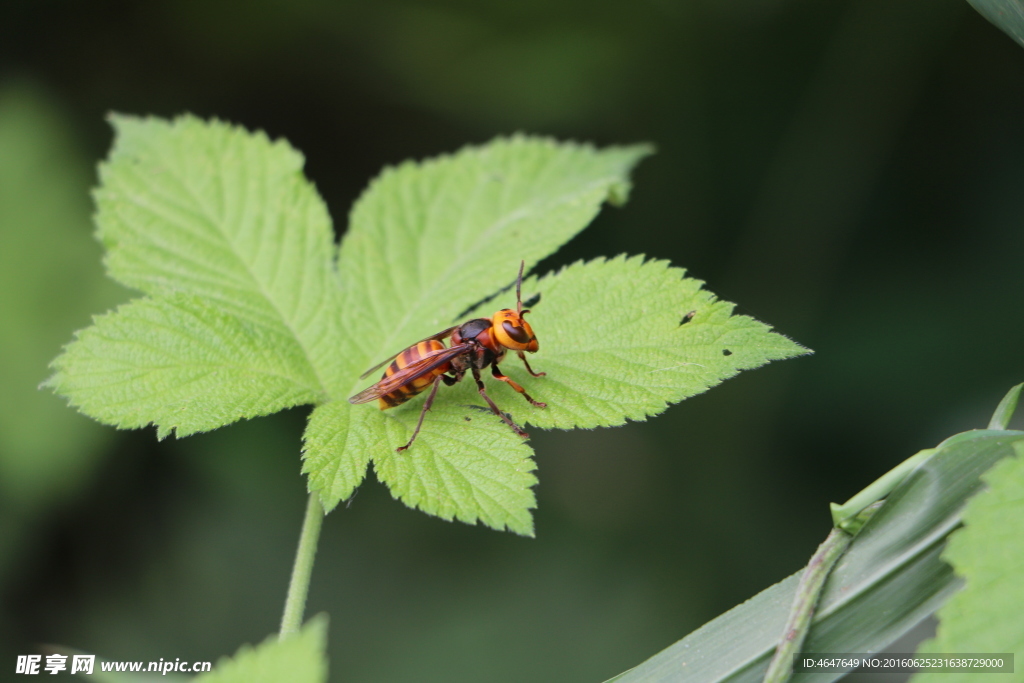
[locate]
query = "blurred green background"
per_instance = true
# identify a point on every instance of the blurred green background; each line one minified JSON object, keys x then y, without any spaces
{"x":849,"y":172}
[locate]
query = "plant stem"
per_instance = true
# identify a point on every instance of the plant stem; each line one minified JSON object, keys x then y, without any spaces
{"x":807,"y":592}
{"x":298,"y":587}
{"x":878,"y":489}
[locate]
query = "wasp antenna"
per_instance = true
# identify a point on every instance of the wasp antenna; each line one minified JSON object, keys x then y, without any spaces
{"x":519,"y":287}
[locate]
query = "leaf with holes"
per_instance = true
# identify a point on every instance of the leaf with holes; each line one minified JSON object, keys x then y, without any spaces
{"x":248,"y":310}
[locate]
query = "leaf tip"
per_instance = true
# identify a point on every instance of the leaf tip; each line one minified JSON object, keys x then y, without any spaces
{"x":1006,"y":408}
{"x":329,"y":503}
{"x":116,"y":118}
{"x":527,"y":530}
{"x":629,"y":157}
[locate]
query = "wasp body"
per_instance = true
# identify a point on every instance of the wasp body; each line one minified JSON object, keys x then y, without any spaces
{"x":410,"y":356}
{"x":475,"y":345}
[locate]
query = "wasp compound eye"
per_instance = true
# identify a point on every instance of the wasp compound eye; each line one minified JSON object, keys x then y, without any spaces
{"x":516,"y":333}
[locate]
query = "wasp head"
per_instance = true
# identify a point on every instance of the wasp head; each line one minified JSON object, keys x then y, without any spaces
{"x":513,"y":332}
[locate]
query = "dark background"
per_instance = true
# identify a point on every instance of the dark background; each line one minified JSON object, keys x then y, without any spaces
{"x":849,"y":172}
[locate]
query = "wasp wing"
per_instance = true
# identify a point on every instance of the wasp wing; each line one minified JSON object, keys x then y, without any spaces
{"x":443,"y":334}
{"x":416,"y":369}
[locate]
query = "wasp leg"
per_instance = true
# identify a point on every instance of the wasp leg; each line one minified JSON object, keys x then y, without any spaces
{"x":522,"y":357}
{"x":494,"y":409}
{"x":515,"y":385}
{"x":426,"y":406}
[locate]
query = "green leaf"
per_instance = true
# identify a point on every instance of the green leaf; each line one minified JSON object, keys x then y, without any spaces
{"x":216,"y":211}
{"x":182,"y":364}
{"x":989,"y":555}
{"x":236,"y":247}
{"x":891,"y":577}
{"x":468,"y":468}
{"x":613,"y":347}
{"x":298,"y":659}
{"x":338,"y":444}
{"x":428,"y":240}
{"x":246,"y":315}
{"x":466,"y":465}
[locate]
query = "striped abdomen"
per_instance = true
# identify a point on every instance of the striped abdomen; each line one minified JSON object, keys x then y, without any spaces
{"x":418,"y":384}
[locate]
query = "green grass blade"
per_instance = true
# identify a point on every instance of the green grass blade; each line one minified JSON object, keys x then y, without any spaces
{"x":1008,"y":15}
{"x":891,"y":577}
{"x":1004,"y":411}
